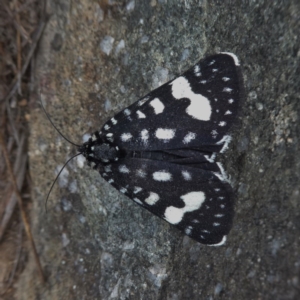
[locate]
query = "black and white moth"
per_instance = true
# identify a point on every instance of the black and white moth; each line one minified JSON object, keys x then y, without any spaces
{"x":160,"y":151}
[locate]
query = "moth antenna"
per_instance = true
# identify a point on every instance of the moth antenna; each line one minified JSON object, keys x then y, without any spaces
{"x":52,"y":185}
{"x":72,"y":143}
{"x":48,"y":117}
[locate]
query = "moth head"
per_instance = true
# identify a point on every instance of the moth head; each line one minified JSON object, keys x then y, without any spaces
{"x":106,"y":152}
{"x":99,"y":152}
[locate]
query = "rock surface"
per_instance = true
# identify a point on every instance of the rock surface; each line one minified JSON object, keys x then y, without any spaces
{"x":94,"y":243}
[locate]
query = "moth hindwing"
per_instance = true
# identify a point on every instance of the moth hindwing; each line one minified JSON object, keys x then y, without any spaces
{"x":160,"y":151}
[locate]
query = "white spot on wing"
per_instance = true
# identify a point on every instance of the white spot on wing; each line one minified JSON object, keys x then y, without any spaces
{"x":165,"y":134}
{"x":137,"y":189}
{"x":222,"y":174}
{"x":138,"y":201}
{"x":186,"y":175}
{"x":142,"y":101}
{"x":219,"y":215}
{"x":227,"y":90}
{"x":211,"y":158}
{"x":220,"y":243}
{"x":222,"y":123}
{"x":114,"y":121}
{"x":127,"y":112}
{"x":200,"y":107}
{"x":110,"y":138}
{"x":225,"y":79}
{"x":110,"y":181}
{"x":214,"y":133}
{"x":141,"y":173}
{"x":145,"y":135}
{"x":173,"y":214}
{"x":228,"y":112}
{"x":140,"y":115}
{"x":157,"y":105}
{"x":188,"y":230}
{"x":123,"y":190}
{"x":197,"y":71}
{"x":125,"y":137}
{"x":162,"y":176}
{"x":123,"y":169}
{"x":230,"y":101}
{"x":192,"y":200}
{"x":107,"y":168}
{"x":106,"y":127}
{"x":226,"y":139}
{"x":236,"y":60}
{"x":189,"y":137}
{"x":152,"y":199}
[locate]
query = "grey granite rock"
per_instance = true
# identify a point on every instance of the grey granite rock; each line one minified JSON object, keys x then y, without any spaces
{"x":93,"y":242}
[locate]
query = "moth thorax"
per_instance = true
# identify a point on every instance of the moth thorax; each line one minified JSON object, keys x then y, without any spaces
{"x":105,"y":152}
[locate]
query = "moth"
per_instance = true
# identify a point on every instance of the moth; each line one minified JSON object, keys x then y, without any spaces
{"x":161,"y":150}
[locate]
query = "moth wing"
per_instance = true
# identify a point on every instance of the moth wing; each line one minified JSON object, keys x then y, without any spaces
{"x":194,"y":110}
{"x":199,"y":203}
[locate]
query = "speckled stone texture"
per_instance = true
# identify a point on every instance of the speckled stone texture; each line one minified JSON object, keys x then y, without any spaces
{"x":93,"y":242}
